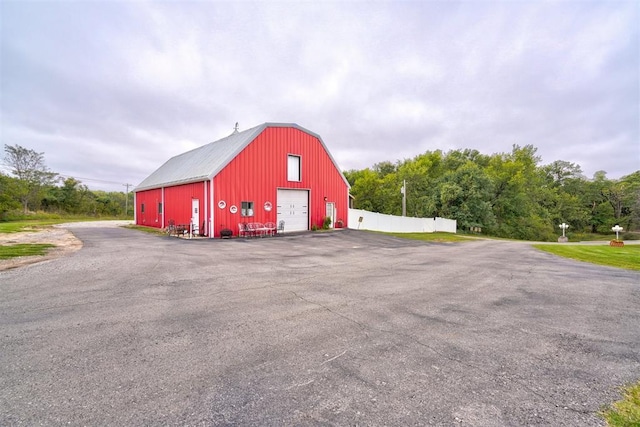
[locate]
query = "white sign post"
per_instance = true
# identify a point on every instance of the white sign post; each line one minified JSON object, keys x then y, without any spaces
{"x":564,"y":238}
{"x":617,"y":229}
{"x":617,"y":242}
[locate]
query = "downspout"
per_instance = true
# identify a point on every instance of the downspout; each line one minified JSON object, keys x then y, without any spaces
{"x":206,"y":208}
{"x":211,"y":230}
{"x":164,"y":208}
{"x":135,"y":209}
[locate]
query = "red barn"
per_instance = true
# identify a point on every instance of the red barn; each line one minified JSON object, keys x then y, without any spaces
{"x":270,"y":173}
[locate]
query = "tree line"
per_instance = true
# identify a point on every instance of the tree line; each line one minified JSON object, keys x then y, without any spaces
{"x":505,"y":194}
{"x":32,"y":187}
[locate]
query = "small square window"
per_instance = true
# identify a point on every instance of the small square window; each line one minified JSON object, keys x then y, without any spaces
{"x":141,"y":207}
{"x":159,"y":207}
{"x":246,"y":209}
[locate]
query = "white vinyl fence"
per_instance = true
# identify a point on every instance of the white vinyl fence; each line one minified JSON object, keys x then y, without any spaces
{"x":365,"y":220}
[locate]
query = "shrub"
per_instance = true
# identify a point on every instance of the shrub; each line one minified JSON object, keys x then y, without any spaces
{"x":326,"y":223}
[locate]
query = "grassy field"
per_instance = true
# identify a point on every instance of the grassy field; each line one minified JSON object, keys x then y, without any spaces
{"x":431,"y":237}
{"x":626,"y":257}
{"x":24,"y":249}
{"x":591,"y":237}
{"x":30,"y":225}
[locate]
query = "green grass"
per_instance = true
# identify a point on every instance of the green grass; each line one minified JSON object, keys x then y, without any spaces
{"x":37,"y":224}
{"x":30,"y":225}
{"x":24,"y":249}
{"x":625,"y":412}
{"x":431,"y":237}
{"x":590,"y":237}
{"x":626,"y":257}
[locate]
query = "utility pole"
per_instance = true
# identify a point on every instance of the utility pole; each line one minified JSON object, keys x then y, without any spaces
{"x":126,"y":199}
{"x":403,"y":190}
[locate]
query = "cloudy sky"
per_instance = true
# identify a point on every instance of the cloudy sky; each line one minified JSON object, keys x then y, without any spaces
{"x":110,"y":90}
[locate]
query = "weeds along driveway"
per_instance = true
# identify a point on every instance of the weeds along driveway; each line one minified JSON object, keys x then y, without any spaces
{"x":341,"y":328}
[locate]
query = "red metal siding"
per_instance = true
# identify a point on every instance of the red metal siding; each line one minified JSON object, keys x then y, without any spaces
{"x":178,"y":202}
{"x":254,"y":175}
{"x":150,"y":217}
{"x":261,"y":168}
{"x":176,"y":205}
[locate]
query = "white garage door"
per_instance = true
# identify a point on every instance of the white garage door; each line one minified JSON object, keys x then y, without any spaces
{"x":293,"y":208}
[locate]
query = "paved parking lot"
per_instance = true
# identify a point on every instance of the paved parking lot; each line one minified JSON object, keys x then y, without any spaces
{"x":343,"y":328}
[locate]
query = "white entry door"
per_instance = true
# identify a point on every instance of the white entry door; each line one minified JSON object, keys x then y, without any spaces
{"x":195,"y":215}
{"x":331,"y":213}
{"x":293,"y":209}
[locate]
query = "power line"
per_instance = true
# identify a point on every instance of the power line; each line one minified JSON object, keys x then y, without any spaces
{"x":79,"y":178}
{"x":94,"y":179}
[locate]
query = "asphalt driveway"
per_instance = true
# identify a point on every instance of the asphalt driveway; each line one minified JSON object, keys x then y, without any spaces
{"x":343,"y":328}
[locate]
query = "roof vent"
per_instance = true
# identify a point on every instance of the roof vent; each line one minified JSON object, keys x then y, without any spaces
{"x":235,"y":129}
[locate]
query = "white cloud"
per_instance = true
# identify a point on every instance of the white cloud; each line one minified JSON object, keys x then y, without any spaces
{"x":140,"y":82}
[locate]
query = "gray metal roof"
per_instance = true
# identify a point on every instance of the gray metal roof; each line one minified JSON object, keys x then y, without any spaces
{"x":205,"y":162}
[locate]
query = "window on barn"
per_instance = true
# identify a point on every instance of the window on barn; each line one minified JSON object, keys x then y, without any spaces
{"x":141,"y":207}
{"x":159,"y":207}
{"x":293,"y":168}
{"x":246,"y":209}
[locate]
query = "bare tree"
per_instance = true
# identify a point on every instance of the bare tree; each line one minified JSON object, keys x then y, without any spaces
{"x":29,"y":167}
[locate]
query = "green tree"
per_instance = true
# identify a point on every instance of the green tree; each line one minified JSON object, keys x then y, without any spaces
{"x":384,"y":168}
{"x":464,"y":194}
{"x":30,"y":169}
{"x":365,"y":190}
{"x":629,"y":186}
{"x":9,"y":194}
{"x":110,"y":203}
{"x":564,"y":188}
{"x":507,"y":194}
{"x":519,"y":195}
{"x":420,"y":174}
{"x":561,"y":172}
